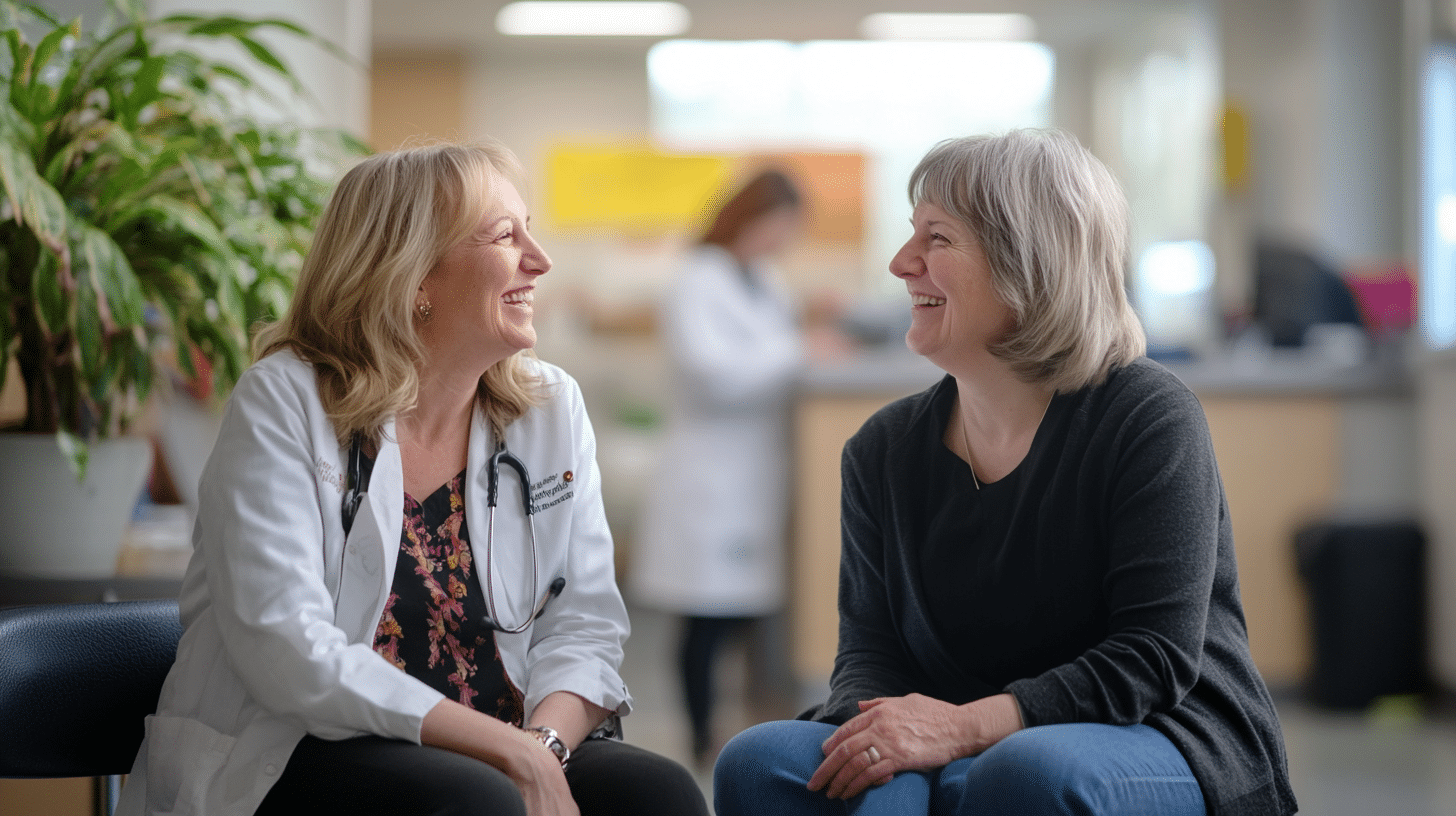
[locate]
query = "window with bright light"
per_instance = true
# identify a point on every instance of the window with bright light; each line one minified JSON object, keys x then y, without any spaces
{"x":844,"y":93}
{"x":891,"y":100}
{"x":1438,"y":201}
{"x":1172,"y":289}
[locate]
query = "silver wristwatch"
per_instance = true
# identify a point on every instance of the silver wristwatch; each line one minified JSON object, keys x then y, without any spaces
{"x":552,"y":740}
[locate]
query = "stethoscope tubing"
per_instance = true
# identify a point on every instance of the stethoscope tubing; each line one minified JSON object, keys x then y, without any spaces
{"x":358,"y":485}
{"x":492,"y":492}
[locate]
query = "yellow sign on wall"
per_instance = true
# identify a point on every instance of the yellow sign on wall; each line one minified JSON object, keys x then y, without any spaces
{"x":1234,"y":133}
{"x":634,"y":189}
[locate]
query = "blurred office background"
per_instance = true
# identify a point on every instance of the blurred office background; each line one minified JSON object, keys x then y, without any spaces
{"x":1291,"y":169}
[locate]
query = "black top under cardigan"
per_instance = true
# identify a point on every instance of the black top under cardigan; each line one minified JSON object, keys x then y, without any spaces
{"x":1095,"y":583}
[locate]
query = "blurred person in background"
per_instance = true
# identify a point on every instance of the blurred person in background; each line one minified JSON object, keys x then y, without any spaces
{"x":366,"y":631}
{"x":1038,"y":599}
{"x":713,"y":526}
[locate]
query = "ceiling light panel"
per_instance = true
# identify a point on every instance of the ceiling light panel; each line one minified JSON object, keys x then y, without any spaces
{"x":592,"y":18}
{"x":892,"y":26}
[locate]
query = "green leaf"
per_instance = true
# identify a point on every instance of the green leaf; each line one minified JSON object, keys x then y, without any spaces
{"x":353,"y":144}
{"x":50,"y":292}
{"x":16,"y":42}
{"x":119,"y":296}
{"x":90,"y":335}
{"x":15,"y":128}
{"x":75,"y":154}
{"x":104,"y":62}
{"x":20,"y":87}
{"x":234,"y":74}
{"x":146,"y":89}
{"x":263,"y":55}
{"x":182,"y":216}
{"x":110,"y":376}
{"x":64,"y":94}
{"x":47,"y":48}
{"x":76,"y":451}
{"x":140,"y":370}
{"x":35,"y":202}
{"x":134,"y":10}
{"x":40,"y":13}
{"x":227,"y":26}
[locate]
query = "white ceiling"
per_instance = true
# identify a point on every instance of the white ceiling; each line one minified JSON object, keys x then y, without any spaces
{"x":469,"y":25}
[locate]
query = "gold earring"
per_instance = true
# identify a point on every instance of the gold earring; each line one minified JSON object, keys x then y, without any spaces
{"x":424,"y":311}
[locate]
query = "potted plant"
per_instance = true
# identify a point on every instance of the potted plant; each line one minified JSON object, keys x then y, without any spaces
{"x":146,"y":223}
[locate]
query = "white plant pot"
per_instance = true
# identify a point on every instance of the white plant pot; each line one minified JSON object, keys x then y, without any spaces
{"x":55,"y":527}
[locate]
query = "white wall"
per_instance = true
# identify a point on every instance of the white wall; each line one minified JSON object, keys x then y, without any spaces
{"x":1437,"y":413}
{"x":532,"y":104}
{"x":338,"y":88}
{"x":1424,"y":21}
{"x":1361,"y":206}
{"x":1321,"y":82}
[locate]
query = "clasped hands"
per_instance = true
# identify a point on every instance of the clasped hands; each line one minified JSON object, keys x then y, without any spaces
{"x":910,"y":733}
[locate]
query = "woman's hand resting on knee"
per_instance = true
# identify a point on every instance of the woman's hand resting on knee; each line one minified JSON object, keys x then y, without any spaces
{"x":911,"y":733}
{"x":535,"y":771}
{"x":542,"y":784}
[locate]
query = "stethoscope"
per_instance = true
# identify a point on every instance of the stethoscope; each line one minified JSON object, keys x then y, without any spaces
{"x":358,"y":484}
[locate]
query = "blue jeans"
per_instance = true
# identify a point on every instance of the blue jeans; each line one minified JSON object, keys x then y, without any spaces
{"x":1081,"y":769}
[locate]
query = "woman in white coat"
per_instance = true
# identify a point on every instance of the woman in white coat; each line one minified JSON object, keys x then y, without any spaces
{"x":713,"y":526}
{"x":365,"y":630}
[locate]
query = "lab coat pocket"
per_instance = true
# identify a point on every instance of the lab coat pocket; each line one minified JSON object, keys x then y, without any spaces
{"x":184,"y":759}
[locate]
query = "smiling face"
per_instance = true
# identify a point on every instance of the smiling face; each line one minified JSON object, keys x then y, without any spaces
{"x":956,"y":314}
{"x":481,"y":291}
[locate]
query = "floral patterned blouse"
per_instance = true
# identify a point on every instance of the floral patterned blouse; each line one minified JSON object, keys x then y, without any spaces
{"x":433,"y":623}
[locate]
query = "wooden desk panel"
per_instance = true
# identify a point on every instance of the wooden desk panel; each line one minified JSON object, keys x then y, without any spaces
{"x":46,"y":797}
{"x":1280,"y":460}
{"x":822,"y":426}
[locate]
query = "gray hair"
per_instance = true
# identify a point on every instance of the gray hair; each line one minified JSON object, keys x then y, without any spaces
{"x":1053,"y":224}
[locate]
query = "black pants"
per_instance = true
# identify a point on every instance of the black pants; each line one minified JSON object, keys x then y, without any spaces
{"x":373,"y":775}
{"x":702,"y":640}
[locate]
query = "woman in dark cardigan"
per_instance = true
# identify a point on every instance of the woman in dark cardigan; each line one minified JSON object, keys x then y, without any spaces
{"x":1039,"y":605}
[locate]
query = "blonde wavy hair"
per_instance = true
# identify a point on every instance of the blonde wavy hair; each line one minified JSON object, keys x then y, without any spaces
{"x":1053,"y":224}
{"x":388,"y":223}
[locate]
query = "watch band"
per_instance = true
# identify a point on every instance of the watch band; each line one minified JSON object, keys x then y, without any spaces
{"x":548,"y":737}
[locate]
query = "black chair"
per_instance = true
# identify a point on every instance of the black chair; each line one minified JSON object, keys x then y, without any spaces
{"x":76,"y":683}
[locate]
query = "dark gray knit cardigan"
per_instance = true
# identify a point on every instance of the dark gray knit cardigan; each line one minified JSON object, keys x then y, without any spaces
{"x":1095,"y":583}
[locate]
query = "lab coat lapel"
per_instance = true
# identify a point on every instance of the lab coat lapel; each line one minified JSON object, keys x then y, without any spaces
{"x":372,"y":547}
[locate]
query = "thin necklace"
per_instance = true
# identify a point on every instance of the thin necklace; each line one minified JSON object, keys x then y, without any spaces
{"x":965,"y":440}
{"x":961,"y":421}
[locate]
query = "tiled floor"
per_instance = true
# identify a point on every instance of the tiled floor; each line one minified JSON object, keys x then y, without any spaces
{"x":659,"y":719}
{"x":1395,"y":760}
{"x":1391,"y":760}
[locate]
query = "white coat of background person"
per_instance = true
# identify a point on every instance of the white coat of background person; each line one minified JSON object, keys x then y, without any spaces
{"x":712,"y":542}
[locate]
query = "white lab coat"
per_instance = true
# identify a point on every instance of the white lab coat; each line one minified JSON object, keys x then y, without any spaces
{"x":714,"y":521}
{"x":280,"y":611}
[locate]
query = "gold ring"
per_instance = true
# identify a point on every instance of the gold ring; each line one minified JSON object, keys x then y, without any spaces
{"x":872,"y":754}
